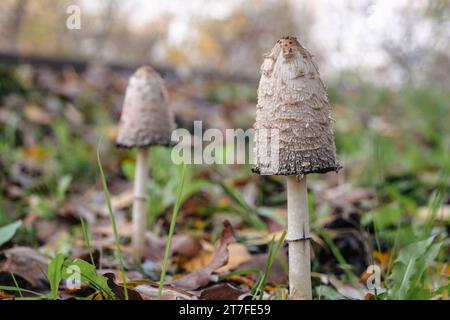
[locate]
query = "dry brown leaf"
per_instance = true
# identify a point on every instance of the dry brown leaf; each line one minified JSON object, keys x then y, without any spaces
{"x":201,"y":277}
{"x":246,"y":280}
{"x":352,"y":291}
{"x":119,"y":291}
{"x":149,"y":292}
{"x":27,"y":263}
{"x":124,"y":228}
{"x":4,"y":295}
{"x":185,"y":245}
{"x":120,"y":201}
{"x":200,"y":260}
{"x":277,"y":274}
{"x":238,"y":254}
{"x":222,"y":291}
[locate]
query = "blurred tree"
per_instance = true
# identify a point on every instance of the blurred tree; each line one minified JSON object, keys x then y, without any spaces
{"x":12,"y":14}
{"x":15,"y":25}
{"x":44,"y":29}
{"x":236,"y":44}
{"x":419,"y":49}
{"x":102,"y":36}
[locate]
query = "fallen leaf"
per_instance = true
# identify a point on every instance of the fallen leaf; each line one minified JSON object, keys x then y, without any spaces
{"x":185,"y":245}
{"x":246,"y":280}
{"x":119,"y":291}
{"x":4,"y":295}
{"x":104,"y":228}
{"x":238,"y":254}
{"x":150,"y":292}
{"x":27,"y":263}
{"x":222,"y":291}
{"x":201,"y":259}
{"x":120,"y":201}
{"x":201,"y":277}
{"x":277,"y":274}
{"x":352,"y":291}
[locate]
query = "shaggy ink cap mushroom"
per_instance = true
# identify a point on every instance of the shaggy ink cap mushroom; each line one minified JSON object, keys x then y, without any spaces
{"x":292,"y":99}
{"x":146,"y":118}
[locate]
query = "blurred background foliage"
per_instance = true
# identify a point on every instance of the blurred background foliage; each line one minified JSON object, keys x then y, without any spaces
{"x":400,"y":42}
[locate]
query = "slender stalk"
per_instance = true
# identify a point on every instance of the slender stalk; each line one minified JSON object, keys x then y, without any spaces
{"x":113,"y":221}
{"x":16,"y":284}
{"x":87,"y":238}
{"x":176,"y":210}
{"x":140,"y":202}
{"x":299,"y":239}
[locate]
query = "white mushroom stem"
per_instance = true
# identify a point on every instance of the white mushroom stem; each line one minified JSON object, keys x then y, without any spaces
{"x":298,"y":238}
{"x":140,"y":202}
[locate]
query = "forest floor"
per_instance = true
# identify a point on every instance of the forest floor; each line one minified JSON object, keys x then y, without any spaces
{"x":388,"y":207}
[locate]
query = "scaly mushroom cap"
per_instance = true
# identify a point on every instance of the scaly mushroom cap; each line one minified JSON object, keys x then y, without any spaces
{"x":293,"y":121}
{"x":146,"y":117}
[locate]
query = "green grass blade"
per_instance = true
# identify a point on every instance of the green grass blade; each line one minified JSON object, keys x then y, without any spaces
{"x":340,"y":258}
{"x":272,"y":254}
{"x":113,"y":221}
{"x":251,"y":215}
{"x":16,"y":284}
{"x":176,"y":209}
{"x":87,"y":239}
{"x":20,"y":290}
{"x":54,"y":275}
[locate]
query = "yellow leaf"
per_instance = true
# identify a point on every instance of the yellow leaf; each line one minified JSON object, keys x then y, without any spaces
{"x":35,"y":152}
{"x":238,"y":255}
{"x":381,"y":257}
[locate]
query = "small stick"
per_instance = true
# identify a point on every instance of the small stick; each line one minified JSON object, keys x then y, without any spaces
{"x":140,"y":202}
{"x":298,"y":238}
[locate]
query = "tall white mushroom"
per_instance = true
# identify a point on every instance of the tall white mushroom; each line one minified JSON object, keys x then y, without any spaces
{"x":294,"y":137}
{"x":146,"y":120}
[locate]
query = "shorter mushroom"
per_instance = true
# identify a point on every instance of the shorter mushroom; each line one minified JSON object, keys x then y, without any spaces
{"x":146,"y":120}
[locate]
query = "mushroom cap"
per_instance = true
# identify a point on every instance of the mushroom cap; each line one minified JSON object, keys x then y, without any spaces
{"x":146,"y":117}
{"x":293,"y":115}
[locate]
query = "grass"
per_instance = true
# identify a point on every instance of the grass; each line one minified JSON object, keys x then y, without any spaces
{"x":173,"y":222}
{"x":113,"y":221}
{"x":16,"y":284}
{"x":20,"y":290}
{"x":340,"y":258}
{"x":87,"y":239}
{"x":274,"y":248}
